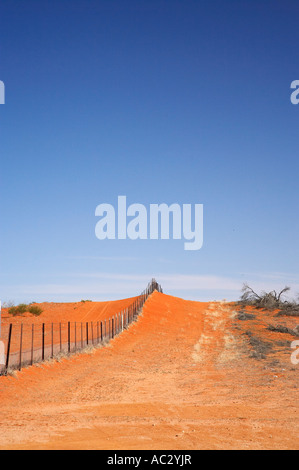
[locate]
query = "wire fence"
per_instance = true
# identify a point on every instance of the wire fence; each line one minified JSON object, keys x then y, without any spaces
{"x":26,"y":345}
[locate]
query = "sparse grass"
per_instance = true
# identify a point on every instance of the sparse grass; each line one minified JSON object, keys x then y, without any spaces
{"x":260,"y":348}
{"x":245,"y":316}
{"x":283,"y":329}
{"x":12,"y":373}
{"x":291,"y":310}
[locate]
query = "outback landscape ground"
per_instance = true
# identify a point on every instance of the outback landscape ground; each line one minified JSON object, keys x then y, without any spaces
{"x":185,"y":375}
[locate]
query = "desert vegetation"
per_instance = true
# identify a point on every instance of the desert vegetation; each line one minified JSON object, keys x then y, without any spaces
{"x":269,"y":301}
{"x":24,"y":308}
{"x":263,"y":307}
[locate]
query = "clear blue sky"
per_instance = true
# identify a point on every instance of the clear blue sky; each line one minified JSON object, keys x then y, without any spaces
{"x":161,"y":101}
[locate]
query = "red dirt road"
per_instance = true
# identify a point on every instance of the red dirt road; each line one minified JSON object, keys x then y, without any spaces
{"x":179,"y":378}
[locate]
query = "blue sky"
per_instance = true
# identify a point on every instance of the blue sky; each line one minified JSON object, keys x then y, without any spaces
{"x":161,"y":101}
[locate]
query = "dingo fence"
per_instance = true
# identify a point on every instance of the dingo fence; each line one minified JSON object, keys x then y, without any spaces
{"x":27,"y":344}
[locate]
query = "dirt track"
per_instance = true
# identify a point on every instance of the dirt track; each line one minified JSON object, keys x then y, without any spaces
{"x":179,"y":378}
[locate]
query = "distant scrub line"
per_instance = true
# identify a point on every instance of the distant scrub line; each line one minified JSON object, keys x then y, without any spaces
{"x":24,"y":308}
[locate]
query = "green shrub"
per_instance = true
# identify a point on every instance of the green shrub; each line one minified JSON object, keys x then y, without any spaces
{"x":35,"y":310}
{"x":12,"y":311}
{"x":22,"y":308}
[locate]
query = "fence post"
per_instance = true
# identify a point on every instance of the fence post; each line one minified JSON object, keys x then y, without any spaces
{"x":101,"y":331}
{"x":21,"y":344}
{"x":52,"y":341}
{"x":43,"y":342}
{"x":32,"y":343}
{"x":87,"y":332}
{"x":69,"y":336}
{"x":8,"y":348}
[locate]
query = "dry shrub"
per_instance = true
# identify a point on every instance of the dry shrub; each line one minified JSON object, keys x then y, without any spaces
{"x":269,"y":301}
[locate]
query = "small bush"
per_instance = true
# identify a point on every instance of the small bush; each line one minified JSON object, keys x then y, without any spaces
{"x":35,"y":310}
{"x":22,"y":308}
{"x":269,"y":301}
{"x":12,"y":311}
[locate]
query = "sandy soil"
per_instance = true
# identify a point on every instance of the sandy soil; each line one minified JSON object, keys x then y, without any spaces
{"x":186,"y":375}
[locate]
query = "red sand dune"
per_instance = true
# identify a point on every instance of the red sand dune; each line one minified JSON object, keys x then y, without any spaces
{"x":64,"y":312}
{"x":56,"y":313}
{"x":181,"y":377}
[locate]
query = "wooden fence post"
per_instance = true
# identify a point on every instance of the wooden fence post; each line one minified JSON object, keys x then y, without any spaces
{"x":21,"y":344}
{"x":69,"y":336}
{"x":32,"y":343}
{"x":52,"y":341}
{"x":8,"y":348}
{"x":43,"y":342}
